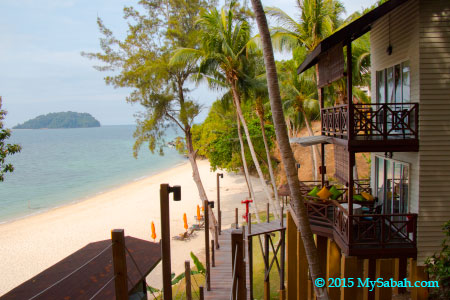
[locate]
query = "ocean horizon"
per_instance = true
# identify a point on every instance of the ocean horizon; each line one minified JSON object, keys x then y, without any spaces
{"x":57,"y":167}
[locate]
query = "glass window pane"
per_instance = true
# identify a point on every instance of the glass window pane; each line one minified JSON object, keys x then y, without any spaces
{"x":398,"y":84}
{"x":390,"y":85}
{"x":381,"y":91}
{"x":388,"y":186}
{"x":379,"y":165}
{"x":406,"y":81}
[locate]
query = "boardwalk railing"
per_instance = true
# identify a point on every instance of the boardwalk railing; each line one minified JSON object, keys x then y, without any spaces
{"x":238,"y":288}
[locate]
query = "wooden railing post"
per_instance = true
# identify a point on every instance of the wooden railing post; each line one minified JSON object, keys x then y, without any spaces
{"x":266,"y":268}
{"x":187,"y":276}
{"x":208,"y":267}
{"x":219,"y":216}
{"x":237,"y":256}
{"x":202,"y":293}
{"x":236,"y":216}
{"x":213,"y":259}
{"x":120,"y":264}
{"x":268,"y":212}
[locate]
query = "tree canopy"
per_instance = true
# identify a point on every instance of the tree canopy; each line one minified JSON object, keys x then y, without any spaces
{"x":5,"y":149}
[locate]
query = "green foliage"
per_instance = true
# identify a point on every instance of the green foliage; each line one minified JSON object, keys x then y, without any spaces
{"x":200,"y":268}
{"x":67,"y":119}
{"x":141,"y":62}
{"x":438,"y":267}
{"x":217,"y":138}
{"x":5,"y":149}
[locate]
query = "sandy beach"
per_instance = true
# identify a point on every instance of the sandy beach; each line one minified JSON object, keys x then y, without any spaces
{"x":30,"y":245}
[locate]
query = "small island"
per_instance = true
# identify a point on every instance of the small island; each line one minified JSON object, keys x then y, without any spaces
{"x":67,"y":119}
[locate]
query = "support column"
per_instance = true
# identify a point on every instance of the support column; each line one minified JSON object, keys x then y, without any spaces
{"x":418,"y":274}
{"x":369,"y":272}
{"x":291,"y":257}
{"x":385,"y":270}
{"x":321,"y":243}
{"x":333,"y":268}
{"x":399,"y":274}
{"x":350,"y":269}
{"x":302,"y":270}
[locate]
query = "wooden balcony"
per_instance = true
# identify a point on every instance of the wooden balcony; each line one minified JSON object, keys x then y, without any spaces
{"x":373,"y":127}
{"x":364,"y":235}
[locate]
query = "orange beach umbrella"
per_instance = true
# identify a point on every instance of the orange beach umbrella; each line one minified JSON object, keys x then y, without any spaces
{"x":185,"y":222}
{"x":153,"y":231}
{"x":199,"y":217}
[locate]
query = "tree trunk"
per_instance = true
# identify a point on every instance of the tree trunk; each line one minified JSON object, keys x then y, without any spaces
{"x":314,"y":149}
{"x":192,"y":159}
{"x":247,"y":174}
{"x":286,"y":151}
{"x":269,"y":161}
{"x":237,"y":104}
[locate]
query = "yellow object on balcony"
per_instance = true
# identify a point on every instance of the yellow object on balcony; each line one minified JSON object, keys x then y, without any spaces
{"x":367,"y":196}
{"x":324,"y":193}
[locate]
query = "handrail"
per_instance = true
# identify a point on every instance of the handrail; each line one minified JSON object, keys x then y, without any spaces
{"x":364,"y":229}
{"x":234,"y":278}
{"x":372,"y":120}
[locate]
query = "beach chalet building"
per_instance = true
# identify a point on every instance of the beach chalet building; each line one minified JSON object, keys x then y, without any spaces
{"x":406,"y":129}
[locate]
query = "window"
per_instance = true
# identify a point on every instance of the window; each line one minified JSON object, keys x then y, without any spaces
{"x":392,"y":185}
{"x":393,"y":84}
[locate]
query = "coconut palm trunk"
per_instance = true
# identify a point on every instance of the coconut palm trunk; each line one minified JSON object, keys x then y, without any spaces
{"x":236,"y":99}
{"x":286,"y":151}
{"x":314,"y":150}
{"x":260,"y":112}
{"x":247,"y":174}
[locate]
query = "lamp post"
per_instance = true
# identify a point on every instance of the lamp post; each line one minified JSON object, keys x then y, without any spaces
{"x":219,"y":213}
{"x":165,"y":190}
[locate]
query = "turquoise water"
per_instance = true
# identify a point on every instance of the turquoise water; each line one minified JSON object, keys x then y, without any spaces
{"x":59,"y":166}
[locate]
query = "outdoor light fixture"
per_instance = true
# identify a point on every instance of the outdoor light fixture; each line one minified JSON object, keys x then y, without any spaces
{"x":220,"y":175}
{"x":298,"y":165}
{"x":211,"y":204}
{"x":176,"y":190}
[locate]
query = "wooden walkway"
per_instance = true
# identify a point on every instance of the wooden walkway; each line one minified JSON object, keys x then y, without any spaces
{"x":221,"y":274}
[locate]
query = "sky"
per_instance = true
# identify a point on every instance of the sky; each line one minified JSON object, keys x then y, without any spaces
{"x":42,"y":71}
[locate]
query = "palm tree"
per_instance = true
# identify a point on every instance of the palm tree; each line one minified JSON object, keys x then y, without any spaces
{"x":285,"y":149}
{"x":299,"y":93}
{"x":223,"y":57}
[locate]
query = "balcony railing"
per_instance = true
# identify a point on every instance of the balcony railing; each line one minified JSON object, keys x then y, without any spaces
{"x":377,"y":231}
{"x":372,"y":121}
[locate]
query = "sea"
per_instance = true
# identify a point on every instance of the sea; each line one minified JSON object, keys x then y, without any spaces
{"x":61,"y":166}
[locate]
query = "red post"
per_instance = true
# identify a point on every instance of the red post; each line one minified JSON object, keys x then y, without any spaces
{"x":246,"y":202}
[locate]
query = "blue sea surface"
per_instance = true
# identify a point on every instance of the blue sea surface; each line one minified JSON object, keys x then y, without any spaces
{"x":60,"y":166}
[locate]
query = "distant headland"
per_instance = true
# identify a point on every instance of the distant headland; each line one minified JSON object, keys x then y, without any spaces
{"x":67,"y":119}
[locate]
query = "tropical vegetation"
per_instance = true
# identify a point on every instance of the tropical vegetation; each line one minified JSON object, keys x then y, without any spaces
{"x":67,"y":119}
{"x":179,"y":41}
{"x":5,"y":149}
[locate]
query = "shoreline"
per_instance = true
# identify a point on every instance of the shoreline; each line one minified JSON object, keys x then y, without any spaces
{"x":31,"y":245}
{"x":88,"y":197}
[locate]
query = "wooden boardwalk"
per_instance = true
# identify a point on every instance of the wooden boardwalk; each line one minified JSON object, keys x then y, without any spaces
{"x":221,"y":274}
